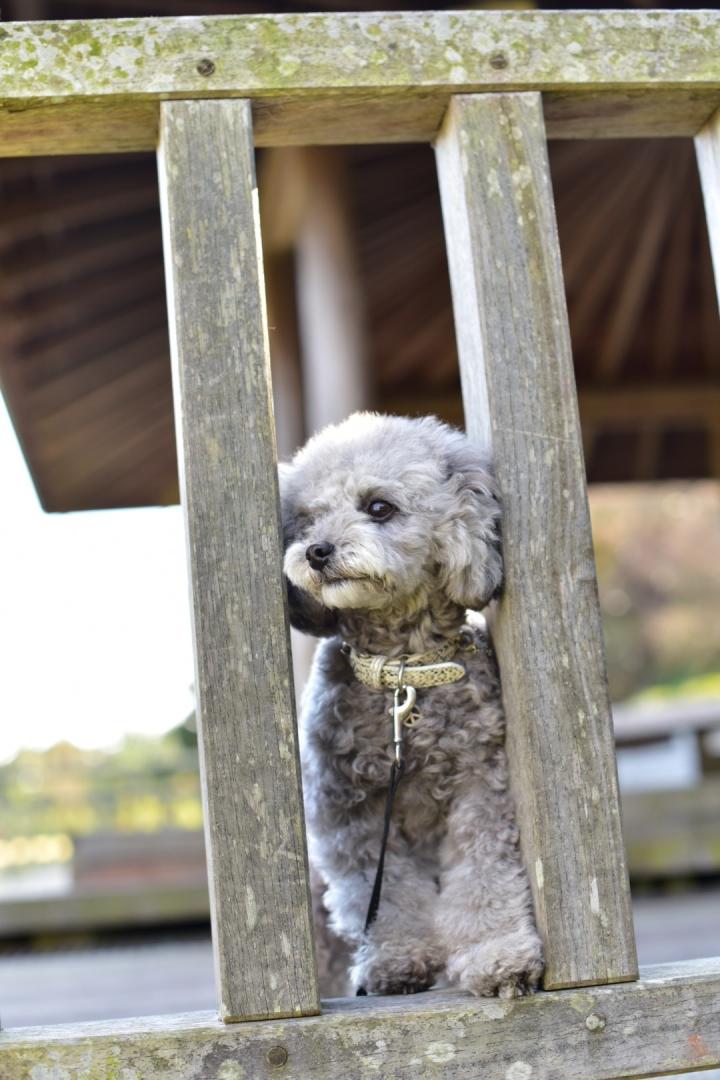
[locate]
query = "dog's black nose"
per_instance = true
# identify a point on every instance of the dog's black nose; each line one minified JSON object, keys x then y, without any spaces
{"x":318,"y":555}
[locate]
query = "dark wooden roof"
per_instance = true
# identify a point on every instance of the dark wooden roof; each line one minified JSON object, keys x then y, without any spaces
{"x":640,"y":288}
{"x":84,"y":359}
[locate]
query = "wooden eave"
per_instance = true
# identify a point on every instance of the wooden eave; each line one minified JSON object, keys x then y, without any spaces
{"x":84,"y":364}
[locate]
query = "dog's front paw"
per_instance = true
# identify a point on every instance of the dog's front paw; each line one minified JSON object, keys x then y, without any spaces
{"x":392,"y":968}
{"x":507,"y":965}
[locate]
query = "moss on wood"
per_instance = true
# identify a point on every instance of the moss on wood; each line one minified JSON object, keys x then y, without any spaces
{"x":94,"y":87}
{"x":666,"y":1023}
{"x":281,"y":54}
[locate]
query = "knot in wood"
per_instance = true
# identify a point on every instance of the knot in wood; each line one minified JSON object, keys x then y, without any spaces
{"x":205,"y":66}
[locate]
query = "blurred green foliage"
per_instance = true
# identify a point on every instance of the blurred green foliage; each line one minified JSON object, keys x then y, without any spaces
{"x":144,"y":784}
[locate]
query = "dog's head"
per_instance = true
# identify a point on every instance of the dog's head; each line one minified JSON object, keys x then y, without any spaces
{"x":379,"y":510}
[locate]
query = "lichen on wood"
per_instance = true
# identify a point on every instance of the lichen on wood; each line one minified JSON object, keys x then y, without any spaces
{"x":359,"y":77}
{"x":668,"y":1022}
{"x":255,"y":839}
{"x":335,"y":52}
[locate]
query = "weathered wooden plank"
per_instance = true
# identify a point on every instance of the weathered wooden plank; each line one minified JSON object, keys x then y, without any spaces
{"x":627,"y":114}
{"x":38,"y":129}
{"x":519,"y":394}
{"x":369,"y":51}
{"x":707,"y":145}
{"x":106,"y":126}
{"x":246,"y":716}
{"x":669,"y":1022}
{"x":351,"y":118}
{"x":88,"y":87}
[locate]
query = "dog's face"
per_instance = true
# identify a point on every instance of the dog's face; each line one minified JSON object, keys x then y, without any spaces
{"x":379,"y":510}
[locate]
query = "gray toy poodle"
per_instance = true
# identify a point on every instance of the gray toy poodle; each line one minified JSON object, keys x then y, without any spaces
{"x":392,"y":532}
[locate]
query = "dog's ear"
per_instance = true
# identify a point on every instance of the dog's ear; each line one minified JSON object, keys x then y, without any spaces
{"x":469,"y":551}
{"x":306,"y":614}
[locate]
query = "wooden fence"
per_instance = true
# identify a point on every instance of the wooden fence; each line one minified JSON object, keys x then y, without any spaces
{"x":487,"y":89}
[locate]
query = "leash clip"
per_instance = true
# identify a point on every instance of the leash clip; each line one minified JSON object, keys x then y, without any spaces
{"x":401,"y":710}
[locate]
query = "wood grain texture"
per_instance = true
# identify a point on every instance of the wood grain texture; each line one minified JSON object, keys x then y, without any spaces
{"x":119,"y":126}
{"x":668,"y":1022}
{"x":519,"y":395}
{"x":84,"y":87}
{"x":341,"y":52}
{"x":627,"y":114}
{"x":111,"y":126}
{"x":707,"y":145}
{"x":248,"y":741}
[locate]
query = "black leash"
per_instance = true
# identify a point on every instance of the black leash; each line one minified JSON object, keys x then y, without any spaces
{"x":396,"y":775}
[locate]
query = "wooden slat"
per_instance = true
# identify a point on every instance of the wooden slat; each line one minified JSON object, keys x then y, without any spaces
{"x":707,"y":145}
{"x":668,"y":1022}
{"x":89,"y":87}
{"x":519,"y":394}
{"x":251,"y":780}
{"x":652,"y":721}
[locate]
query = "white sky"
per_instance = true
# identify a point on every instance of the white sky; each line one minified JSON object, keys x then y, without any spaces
{"x":94,"y":620}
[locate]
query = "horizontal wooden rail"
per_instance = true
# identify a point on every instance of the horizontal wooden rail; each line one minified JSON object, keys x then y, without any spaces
{"x":101,"y":910}
{"x":89,"y":87}
{"x":668,"y":1022}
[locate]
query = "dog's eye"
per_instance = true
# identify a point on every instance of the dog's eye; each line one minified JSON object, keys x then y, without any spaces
{"x":379,"y":510}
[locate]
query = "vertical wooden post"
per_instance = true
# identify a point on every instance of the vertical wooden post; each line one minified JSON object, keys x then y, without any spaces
{"x":304,"y":209}
{"x":284,"y":352}
{"x":330,"y":304}
{"x":248,"y":742}
{"x":519,"y":394}
{"x":287,"y":396}
{"x":707,"y":146}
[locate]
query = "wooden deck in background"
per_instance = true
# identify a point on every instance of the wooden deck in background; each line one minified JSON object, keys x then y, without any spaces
{"x":177,"y":975}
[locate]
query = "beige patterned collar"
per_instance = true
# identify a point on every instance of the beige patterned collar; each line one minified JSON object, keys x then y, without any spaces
{"x":421,"y":670}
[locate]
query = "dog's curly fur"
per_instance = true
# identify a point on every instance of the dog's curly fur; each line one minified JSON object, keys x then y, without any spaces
{"x":455,"y":900}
